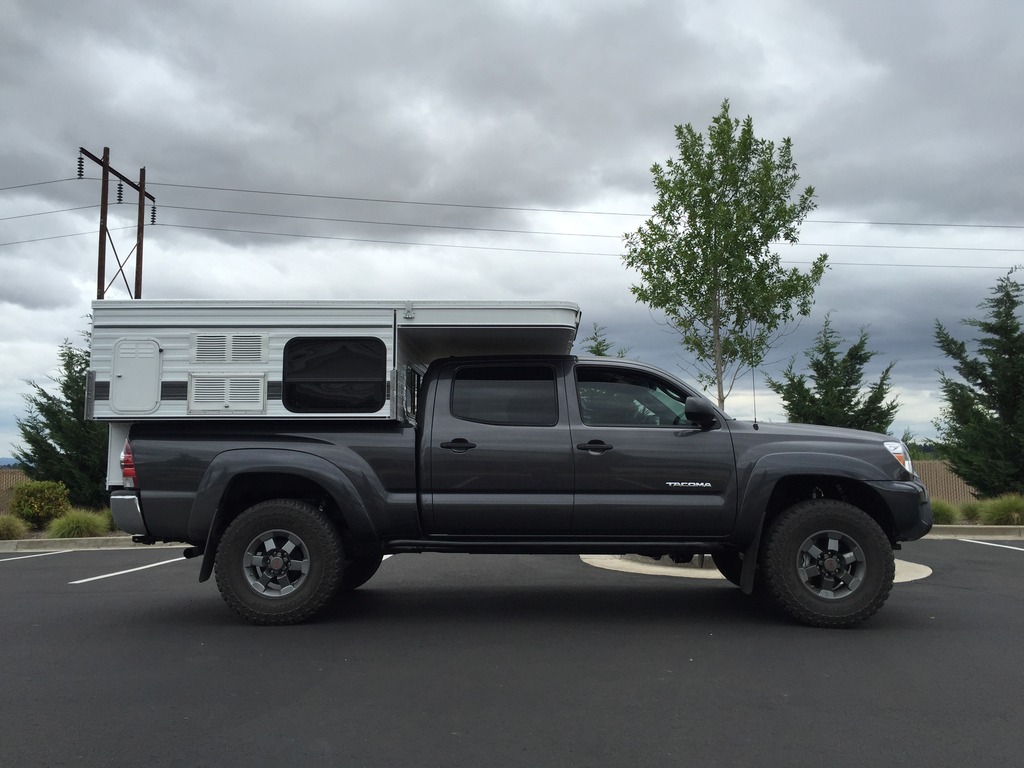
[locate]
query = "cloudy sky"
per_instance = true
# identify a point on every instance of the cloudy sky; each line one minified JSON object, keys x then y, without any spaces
{"x":499,"y":150}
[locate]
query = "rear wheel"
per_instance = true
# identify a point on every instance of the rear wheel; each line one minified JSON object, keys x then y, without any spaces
{"x":828,"y":563}
{"x":279,"y":562}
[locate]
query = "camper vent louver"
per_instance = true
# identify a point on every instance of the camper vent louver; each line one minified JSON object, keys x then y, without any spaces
{"x":223,"y":348}
{"x":226,"y":394}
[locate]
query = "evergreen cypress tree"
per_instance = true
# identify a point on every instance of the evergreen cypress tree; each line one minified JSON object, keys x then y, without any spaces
{"x":836,"y":395}
{"x":58,"y":442}
{"x":982,"y":422}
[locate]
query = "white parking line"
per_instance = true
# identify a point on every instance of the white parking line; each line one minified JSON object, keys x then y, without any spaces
{"x":990,"y":544}
{"x":42,"y":554}
{"x":130,"y":570}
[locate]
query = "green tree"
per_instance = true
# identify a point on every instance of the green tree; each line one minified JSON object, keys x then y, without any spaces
{"x":833,"y":393}
{"x":982,"y":421}
{"x":705,"y":256}
{"x":59,"y":443}
{"x":597,"y":344}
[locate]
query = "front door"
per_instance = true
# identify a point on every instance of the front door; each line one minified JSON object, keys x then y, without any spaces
{"x":641,"y":468}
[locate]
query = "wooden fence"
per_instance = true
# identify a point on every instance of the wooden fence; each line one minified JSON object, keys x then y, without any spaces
{"x":8,"y":479}
{"x":942,"y":484}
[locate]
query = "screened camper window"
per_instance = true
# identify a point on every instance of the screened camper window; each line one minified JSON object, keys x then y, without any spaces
{"x":334,"y":375}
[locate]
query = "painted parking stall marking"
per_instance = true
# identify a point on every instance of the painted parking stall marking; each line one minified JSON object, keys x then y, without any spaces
{"x":40,"y":554}
{"x":991,"y":544}
{"x":130,"y":570}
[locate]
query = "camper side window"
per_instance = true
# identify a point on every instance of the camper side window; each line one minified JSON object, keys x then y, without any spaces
{"x":332,"y":375}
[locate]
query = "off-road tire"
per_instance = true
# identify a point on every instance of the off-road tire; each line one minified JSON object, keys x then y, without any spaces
{"x":279,"y":562}
{"x":827,"y":563}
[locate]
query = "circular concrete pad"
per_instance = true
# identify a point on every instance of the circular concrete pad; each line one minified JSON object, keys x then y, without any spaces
{"x":904,"y":571}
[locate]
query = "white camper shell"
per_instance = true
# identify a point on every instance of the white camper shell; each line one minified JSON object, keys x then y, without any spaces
{"x":204,"y":359}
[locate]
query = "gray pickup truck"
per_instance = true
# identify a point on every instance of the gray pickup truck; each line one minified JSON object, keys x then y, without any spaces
{"x":525,"y":454}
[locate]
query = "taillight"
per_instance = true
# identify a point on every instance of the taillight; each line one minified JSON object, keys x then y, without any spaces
{"x":127,"y":466}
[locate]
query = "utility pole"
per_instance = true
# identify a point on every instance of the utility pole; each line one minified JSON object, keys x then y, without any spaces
{"x":104,"y":235}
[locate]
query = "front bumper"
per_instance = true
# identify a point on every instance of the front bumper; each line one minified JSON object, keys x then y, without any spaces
{"x":910,"y":506}
{"x":124,"y":506}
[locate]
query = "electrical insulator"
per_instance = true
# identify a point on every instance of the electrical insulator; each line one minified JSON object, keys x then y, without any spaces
{"x":152,"y":215}
{"x":81,"y":167}
{"x":120,"y":192}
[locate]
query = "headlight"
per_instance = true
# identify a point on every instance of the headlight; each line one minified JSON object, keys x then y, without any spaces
{"x":901,"y":453}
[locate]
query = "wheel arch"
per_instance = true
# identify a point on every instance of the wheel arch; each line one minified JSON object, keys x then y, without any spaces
{"x":237,"y":480}
{"x":779,"y":481}
{"x":792,"y":489}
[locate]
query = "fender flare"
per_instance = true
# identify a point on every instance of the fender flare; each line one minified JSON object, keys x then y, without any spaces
{"x":765,"y":476}
{"x":205,"y":521}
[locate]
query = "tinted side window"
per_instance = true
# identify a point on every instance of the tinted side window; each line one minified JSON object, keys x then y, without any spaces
{"x":509,"y":395}
{"x":614,"y":397}
{"x":328,"y":375}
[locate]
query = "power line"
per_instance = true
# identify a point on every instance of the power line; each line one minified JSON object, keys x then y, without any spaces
{"x":380,"y":241}
{"x":503,"y":249}
{"x":61,"y":237}
{"x":390,"y":201}
{"x":47,"y":213}
{"x":432,"y":203}
{"x":399,"y":201}
{"x":377,"y":241}
{"x":383,"y":223}
{"x":969,"y":248}
{"x":914,"y":224}
{"x":36,"y":184}
{"x":541,"y":232}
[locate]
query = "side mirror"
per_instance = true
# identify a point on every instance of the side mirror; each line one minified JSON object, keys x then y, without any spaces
{"x":700,"y":412}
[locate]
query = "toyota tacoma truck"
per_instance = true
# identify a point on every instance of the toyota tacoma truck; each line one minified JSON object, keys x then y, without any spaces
{"x":292,"y":445}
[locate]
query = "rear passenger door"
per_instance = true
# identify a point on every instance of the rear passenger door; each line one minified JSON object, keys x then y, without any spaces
{"x":499,"y":461}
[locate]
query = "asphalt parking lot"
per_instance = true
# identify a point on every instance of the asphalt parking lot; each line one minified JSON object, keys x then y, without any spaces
{"x":119,"y":657}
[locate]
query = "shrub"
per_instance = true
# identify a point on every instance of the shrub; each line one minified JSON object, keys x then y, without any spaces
{"x":1003,"y":510}
{"x":944,"y":513}
{"x":12,"y":527}
{"x":37,"y":502}
{"x":106,"y":514}
{"x":971,"y":511}
{"x":78,"y":524}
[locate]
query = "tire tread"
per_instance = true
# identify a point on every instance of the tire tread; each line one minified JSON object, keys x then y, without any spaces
{"x":835,"y":514}
{"x":274,"y":513}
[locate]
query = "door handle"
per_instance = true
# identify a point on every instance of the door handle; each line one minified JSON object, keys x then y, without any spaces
{"x":594,"y":446}
{"x":458,"y":445}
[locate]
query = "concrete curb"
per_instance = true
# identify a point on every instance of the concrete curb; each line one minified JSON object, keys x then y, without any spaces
{"x":976,"y":532}
{"x":53,"y":545}
{"x":125,"y":542}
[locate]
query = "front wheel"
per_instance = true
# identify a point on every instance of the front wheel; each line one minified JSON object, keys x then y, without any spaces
{"x":279,"y":562}
{"x":828,"y":563}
